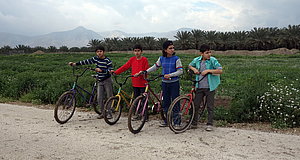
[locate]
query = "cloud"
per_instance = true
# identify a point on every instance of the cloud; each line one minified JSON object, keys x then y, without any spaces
{"x":31,"y":17}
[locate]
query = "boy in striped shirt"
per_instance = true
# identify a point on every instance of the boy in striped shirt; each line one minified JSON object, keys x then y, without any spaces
{"x":103,"y":69}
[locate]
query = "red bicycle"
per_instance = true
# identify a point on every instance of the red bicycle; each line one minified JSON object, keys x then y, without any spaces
{"x":182,"y":111}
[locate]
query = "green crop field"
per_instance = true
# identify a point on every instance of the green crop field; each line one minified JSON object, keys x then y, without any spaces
{"x":260,"y":88}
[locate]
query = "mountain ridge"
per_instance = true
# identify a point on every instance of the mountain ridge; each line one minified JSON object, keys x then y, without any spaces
{"x":77,"y":37}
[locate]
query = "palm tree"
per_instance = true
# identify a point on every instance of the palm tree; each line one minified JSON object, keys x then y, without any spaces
{"x":211,"y":39}
{"x":148,"y":43}
{"x":93,"y":43}
{"x":159,"y":43}
{"x":184,"y":39}
{"x":198,"y":36}
{"x":5,"y":49}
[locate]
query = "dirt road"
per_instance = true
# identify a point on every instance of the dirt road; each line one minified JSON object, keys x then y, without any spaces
{"x":32,"y":133}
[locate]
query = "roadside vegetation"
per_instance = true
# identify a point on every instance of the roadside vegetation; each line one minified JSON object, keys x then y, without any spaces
{"x":258,"y":88}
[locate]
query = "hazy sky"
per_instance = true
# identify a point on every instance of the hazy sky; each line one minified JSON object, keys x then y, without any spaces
{"x":35,"y":17}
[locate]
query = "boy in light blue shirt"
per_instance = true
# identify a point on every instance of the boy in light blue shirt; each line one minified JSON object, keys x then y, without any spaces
{"x":202,"y":66}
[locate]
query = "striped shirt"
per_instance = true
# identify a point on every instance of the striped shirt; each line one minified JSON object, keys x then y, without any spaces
{"x":104,"y":64}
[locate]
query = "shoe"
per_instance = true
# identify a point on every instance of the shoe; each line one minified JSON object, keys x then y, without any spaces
{"x":194,"y":126}
{"x":209,"y":128}
{"x":136,"y":118}
{"x":100,"y":116}
{"x":109,"y":116}
{"x":177,"y":126}
{"x":163,"y":124}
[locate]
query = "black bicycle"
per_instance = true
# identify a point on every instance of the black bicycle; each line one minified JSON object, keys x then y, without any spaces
{"x":66,"y":103}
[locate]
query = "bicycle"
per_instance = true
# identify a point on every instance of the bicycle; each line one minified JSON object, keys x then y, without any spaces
{"x":138,"y":112}
{"x":182,"y":110}
{"x":113,"y":106}
{"x":66,"y":103}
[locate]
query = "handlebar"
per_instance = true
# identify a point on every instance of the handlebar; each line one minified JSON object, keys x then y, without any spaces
{"x":194,"y":81}
{"x":85,"y":69}
{"x":121,"y":84}
{"x":144,"y":73}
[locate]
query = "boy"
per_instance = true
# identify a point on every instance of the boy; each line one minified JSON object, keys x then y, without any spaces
{"x":202,"y":65}
{"x":137,"y":63}
{"x":103,"y":69}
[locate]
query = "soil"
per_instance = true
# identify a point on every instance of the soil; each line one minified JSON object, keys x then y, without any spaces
{"x":32,"y":133}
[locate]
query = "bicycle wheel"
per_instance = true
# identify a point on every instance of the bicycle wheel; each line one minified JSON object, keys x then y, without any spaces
{"x":65,"y":107}
{"x":112,"y":110}
{"x":181,"y":114}
{"x":137,"y":114}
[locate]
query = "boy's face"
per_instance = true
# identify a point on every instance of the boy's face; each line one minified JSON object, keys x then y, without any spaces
{"x":100,"y":53}
{"x":137,"y":53}
{"x":206,"y":55}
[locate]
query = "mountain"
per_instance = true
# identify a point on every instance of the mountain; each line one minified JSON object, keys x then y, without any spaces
{"x":78,"y":37}
{"x":116,"y":33}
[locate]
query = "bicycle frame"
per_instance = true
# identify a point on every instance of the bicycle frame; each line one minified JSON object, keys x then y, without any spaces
{"x":147,"y":93}
{"x":78,"y":89}
{"x":123,"y":95}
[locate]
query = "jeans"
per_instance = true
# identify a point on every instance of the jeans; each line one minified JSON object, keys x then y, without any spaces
{"x":200,"y":93}
{"x":104,"y":87}
{"x":170,"y":92}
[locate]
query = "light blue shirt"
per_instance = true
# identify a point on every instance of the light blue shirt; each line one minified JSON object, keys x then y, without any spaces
{"x":212,"y":63}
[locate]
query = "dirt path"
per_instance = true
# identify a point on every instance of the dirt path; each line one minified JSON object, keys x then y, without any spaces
{"x":32,"y":133}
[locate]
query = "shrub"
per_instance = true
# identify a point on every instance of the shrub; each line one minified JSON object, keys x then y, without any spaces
{"x":280,"y":104}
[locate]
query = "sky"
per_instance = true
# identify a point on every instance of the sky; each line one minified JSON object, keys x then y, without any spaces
{"x":37,"y":17}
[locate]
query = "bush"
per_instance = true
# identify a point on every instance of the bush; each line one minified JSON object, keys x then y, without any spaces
{"x":280,"y":104}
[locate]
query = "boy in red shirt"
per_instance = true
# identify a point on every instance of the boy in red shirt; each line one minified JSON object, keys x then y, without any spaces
{"x":137,"y":63}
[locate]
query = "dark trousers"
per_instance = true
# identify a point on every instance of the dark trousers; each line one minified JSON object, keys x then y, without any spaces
{"x":170,"y":92}
{"x":137,"y":91}
{"x":200,"y":93}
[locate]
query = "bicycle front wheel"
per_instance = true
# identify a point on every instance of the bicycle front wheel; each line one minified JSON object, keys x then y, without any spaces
{"x":65,"y":107}
{"x":180,"y":114}
{"x":137,"y":114}
{"x":112,"y":110}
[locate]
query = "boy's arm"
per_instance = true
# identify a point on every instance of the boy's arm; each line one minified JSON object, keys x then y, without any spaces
{"x":155,"y":66}
{"x":192,"y":66}
{"x":86,"y":62}
{"x":123,"y":68}
{"x":179,"y":69}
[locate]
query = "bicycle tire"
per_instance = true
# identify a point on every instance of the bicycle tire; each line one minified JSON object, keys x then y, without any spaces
{"x":136,"y":118}
{"x":65,"y":107}
{"x":112,"y":110}
{"x":180,"y":114}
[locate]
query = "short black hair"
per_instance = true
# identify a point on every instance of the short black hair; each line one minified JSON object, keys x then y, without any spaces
{"x":204,"y":48}
{"x":165,"y":45}
{"x":100,"y":48}
{"x":138,"y":46}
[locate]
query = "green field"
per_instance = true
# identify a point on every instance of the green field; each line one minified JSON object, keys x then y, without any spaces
{"x":41,"y":78}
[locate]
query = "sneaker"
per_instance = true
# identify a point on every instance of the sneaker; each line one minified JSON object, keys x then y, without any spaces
{"x":163,"y":124}
{"x":177,"y":126}
{"x":100,"y":116}
{"x":209,"y":128}
{"x":109,"y":116}
{"x":136,"y":118}
{"x":193,"y":126}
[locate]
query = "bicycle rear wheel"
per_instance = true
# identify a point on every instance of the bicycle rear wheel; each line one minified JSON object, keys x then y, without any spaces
{"x":112,"y":110}
{"x":65,"y":107}
{"x":180,"y":114}
{"x":137,"y":114}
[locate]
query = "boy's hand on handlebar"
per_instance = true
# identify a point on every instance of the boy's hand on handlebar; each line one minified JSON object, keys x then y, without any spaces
{"x":167,"y":76}
{"x":72,"y":64}
{"x":203,"y":73}
{"x":98,"y":70}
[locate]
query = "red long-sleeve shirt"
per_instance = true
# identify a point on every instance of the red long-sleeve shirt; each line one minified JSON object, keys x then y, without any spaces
{"x":136,"y":66}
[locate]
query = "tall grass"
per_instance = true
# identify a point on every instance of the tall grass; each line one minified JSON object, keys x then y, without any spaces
{"x":41,"y":78}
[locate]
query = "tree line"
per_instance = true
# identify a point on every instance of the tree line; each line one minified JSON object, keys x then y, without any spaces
{"x":264,"y":38}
